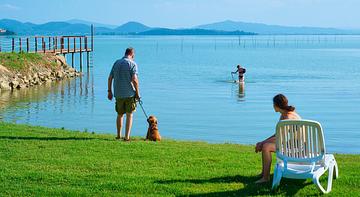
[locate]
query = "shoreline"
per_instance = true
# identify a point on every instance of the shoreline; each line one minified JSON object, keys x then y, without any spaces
{"x":112,"y":134}
{"x":25,"y":70}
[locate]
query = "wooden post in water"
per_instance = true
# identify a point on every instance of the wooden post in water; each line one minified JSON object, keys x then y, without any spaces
{"x":61,"y":44}
{"x":49,"y":43}
{"x":87,"y":59}
{"x":74,"y":45}
{"x":20,"y":48}
{"x":43,"y":44}
{"x":87,"y":52}
{"x":73,"y":56}
{"x":27,"y":45}
{"x":68,"y":44}
{"x":36,"y":45}
{"x":80,"y":54}
{"x":92,"y":37}
{"x":85,"y":42}
{"x":72,"y":60}
{"x":13,"y":45}
{"x":54,"y":44}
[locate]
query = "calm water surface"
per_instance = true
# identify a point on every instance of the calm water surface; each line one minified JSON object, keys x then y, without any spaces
{"x":185,"y":82}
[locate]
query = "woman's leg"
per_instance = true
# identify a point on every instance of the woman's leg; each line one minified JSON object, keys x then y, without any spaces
{"x":266,"y":161}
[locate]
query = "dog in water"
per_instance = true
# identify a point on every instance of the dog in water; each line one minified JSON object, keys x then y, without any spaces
{"x":153,"y":131}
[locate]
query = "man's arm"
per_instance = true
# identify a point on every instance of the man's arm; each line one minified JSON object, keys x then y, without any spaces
{"x":135,"y":82}
{"x":110,"y":95}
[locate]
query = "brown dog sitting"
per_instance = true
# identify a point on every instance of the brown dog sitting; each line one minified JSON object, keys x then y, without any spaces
{"x":153,"y":131}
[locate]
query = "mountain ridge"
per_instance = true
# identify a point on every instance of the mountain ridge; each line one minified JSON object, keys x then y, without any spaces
{"x":261,"y":28}
{"x":227,"y":27}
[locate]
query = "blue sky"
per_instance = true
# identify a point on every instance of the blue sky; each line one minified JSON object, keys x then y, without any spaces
{"x":188,"y":13}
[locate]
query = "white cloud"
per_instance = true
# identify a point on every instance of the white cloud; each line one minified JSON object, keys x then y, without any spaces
{"x":10,"y":6}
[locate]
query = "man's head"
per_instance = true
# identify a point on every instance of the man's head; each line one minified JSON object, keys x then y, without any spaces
{"x":130,"y":52}
{"x":238,"y":66}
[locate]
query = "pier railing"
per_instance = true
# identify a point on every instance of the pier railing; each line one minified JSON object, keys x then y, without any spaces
{"x":47,"y":44}
{"x":50,"y":44}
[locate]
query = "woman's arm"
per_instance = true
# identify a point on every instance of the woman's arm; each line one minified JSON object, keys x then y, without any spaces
{"x":259,"y":145}
{"x":270,"y":139}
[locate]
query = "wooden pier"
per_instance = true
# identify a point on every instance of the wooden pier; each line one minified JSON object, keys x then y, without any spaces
{"x":59,"y":45}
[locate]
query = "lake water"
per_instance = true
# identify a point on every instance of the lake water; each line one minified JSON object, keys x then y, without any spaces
{"x":185,"y":82}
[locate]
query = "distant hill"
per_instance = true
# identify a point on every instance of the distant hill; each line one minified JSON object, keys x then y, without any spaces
{"x":132,"y":27}
{"x":61,"y":28}
{"x":71,"y":27}
{"x":164,"y":31}
{"x":272,"y":29}
{"x":51,"y":28}
{"x":16,"y":26}
{"x":80,"y":27}
{"x":77,"y":21}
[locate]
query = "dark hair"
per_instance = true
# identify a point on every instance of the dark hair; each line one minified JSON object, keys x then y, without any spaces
{"x":129,"y":51}
{"x":282,"y":102}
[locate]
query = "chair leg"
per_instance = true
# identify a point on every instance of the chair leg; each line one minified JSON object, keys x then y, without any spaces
{"x":330,"y":178}
{"x":318,"y":185}
{"x":277,"y":177}
{"x":336,"y":174}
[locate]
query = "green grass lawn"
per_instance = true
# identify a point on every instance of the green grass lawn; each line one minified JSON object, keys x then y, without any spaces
{"x":20,"y":61}
{"x":38,"y":161}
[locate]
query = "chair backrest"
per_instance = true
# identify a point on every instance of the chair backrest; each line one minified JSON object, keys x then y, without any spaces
{"x":300,"y":140}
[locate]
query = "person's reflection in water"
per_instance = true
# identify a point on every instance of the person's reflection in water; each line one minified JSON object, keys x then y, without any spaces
{"x":241,"y":93}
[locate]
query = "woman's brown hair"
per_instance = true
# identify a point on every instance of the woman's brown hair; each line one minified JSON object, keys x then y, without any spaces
{"x":282,"y":102}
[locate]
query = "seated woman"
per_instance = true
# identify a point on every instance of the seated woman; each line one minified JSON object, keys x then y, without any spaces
{"x":267,"y":146}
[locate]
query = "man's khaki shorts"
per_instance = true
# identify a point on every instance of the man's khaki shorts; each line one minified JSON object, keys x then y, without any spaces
{"x":125,"y":105}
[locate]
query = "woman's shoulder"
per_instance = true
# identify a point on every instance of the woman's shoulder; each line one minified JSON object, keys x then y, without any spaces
{"x":290,"y":116}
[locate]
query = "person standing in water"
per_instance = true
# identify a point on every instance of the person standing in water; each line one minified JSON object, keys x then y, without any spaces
{"x":241,"y":72}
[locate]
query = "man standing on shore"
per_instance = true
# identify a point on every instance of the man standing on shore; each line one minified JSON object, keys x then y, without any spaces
{"x":126,"y":90}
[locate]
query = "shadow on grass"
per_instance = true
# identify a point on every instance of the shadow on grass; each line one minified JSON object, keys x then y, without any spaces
{"x":68,"y":138}
{"x":46,"y":138}
{"x":288,"y":187}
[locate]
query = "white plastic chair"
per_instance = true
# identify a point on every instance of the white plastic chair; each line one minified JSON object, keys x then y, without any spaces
{"x":300,"y":153}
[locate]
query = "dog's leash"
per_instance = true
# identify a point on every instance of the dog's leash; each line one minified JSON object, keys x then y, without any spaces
{"x":140,"y":103}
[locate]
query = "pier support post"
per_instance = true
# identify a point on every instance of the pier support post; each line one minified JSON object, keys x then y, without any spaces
{"x":87,"y":59}
{"x":13,"y":45}
{"x":43,"y":44}
{"x":61,"y":44}
{"x":20,"y":47}
{"x":80,"y":54}
{"x":36,"y":45}
{"x":72,"y":60}
{"x":27,"y":45}
{"x":54,"y":44}
{"x":74,"y":45}
{"x":68,"y":45}
{"x":92,"y":37}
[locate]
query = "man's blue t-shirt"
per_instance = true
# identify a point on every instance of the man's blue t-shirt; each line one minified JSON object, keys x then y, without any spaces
{"x":122,"y":72}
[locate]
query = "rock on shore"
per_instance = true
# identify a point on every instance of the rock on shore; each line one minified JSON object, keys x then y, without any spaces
{"x":36,"y":74}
